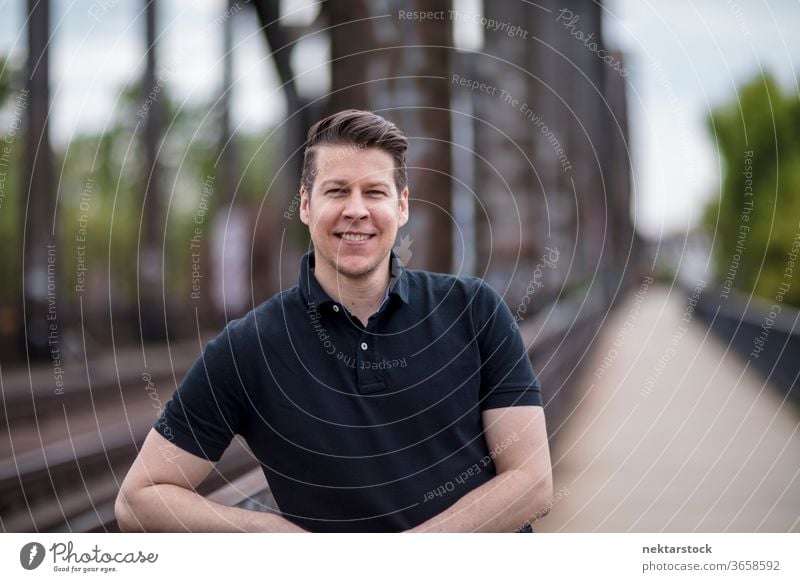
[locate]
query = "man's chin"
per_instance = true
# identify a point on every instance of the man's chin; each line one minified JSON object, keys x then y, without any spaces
{"x":355,"y":269}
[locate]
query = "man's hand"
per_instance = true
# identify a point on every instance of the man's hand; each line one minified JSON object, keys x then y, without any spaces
{"x":519,"y":493}
{"x":158,"y":495}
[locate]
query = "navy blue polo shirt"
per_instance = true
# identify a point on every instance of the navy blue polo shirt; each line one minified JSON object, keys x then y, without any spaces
{"x":357,"y":429}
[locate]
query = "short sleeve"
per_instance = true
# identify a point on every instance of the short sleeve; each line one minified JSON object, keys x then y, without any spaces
{"x":507,"y":377}
{"x":206,"y":410}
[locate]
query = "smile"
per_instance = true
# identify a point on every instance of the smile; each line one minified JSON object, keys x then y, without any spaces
{"x":354,"y":237}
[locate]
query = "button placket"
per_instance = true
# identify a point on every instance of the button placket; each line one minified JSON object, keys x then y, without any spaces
{"x":370,"y":378}
{"x":362,"y":360}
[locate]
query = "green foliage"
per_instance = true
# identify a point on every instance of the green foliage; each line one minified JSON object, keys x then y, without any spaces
{"x":761,"y":227}
{"x":12,"y":162}
{"x":5,"y":79}
{"x":100,"y":180}
{"x":114,"y":165}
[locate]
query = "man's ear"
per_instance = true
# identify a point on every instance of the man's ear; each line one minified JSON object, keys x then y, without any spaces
{"x":304,"y":202}
{"x":403,"y":204}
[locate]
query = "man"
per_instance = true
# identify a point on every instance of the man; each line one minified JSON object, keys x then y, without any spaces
{"x":376,"y":398}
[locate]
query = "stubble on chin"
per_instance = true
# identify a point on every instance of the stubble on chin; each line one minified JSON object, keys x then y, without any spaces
{"x":341,"y":268}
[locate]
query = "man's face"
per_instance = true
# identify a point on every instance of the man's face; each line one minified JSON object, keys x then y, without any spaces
{"x":354,"y":211}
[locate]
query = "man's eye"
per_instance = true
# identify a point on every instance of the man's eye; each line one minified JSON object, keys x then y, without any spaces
{"x":334,"y":191}
{"x":376,"y":192}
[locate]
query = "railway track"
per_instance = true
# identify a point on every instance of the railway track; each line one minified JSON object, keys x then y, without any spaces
{"x":63,"y":454}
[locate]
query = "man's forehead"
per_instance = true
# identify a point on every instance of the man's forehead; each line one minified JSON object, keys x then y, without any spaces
{"x":333,"y":153}
{"x":347,"y":164}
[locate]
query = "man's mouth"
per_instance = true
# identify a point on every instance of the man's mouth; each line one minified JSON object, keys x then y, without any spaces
{"x":354,"y":236}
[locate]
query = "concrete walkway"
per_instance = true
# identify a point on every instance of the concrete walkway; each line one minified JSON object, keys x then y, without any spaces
{"x":674,"y":433}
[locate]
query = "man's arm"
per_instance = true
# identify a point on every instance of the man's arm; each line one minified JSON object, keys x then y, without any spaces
{"x":158,"y":494}
{"x":523,"y":485}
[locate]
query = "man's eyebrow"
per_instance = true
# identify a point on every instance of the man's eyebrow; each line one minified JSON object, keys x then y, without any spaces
{"x":341,"y":182}
{"x":338,"y":182}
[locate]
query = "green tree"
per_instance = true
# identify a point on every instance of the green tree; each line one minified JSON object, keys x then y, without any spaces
{"x":100,"y":180}
{"x":113,"y":165}
{"x":757,"y":215}
{"x":12,"y":140}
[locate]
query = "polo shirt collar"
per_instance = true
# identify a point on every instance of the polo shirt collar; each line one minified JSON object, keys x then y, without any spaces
{"x":314,"y":293}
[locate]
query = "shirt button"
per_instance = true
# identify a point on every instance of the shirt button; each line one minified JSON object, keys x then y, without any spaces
{"x":363,"y":345}
{"x":336,"y":308}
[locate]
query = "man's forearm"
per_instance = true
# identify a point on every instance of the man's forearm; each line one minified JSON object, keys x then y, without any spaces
{"x":503,"y":504}
{"x":169,"y":508}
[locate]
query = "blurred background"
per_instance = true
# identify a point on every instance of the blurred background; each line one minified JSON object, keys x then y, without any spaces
{"x":626,"y":174}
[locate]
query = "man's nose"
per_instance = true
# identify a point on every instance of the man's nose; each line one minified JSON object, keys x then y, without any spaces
{"x":355,"y":207}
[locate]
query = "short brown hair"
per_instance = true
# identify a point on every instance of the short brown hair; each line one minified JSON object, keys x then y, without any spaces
{"x":362,"y":129}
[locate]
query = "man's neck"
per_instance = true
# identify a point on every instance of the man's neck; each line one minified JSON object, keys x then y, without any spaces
{"x":362,"y":296}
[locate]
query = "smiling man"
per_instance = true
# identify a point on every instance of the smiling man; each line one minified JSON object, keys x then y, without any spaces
{"x":375,"y":397}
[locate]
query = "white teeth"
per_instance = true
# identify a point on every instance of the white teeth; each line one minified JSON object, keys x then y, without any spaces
{"x":355,"y":237}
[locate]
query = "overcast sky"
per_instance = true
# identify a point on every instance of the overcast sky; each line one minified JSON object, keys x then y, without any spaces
{"x":687,"y":57}
{"x":684,"y":56}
